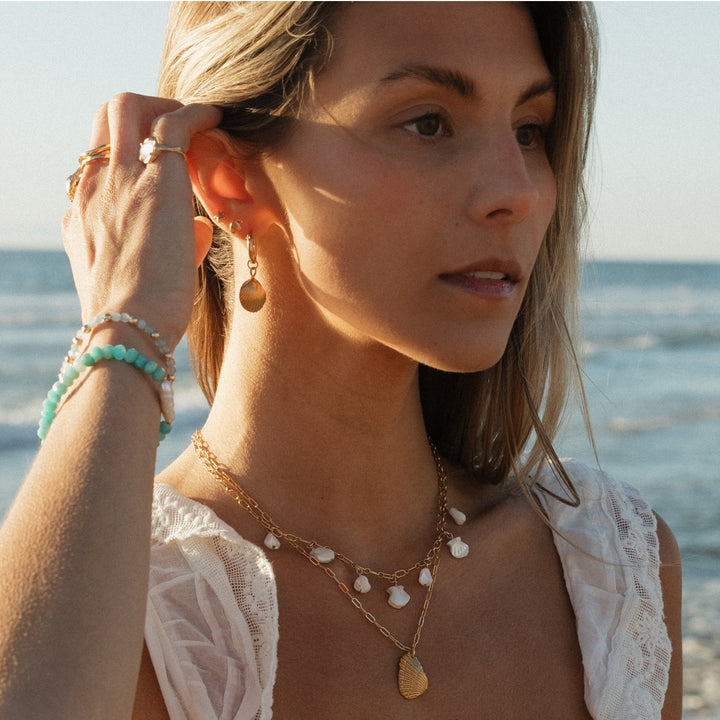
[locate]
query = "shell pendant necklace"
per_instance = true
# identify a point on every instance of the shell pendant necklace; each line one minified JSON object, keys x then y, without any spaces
{"x":412,"y":680}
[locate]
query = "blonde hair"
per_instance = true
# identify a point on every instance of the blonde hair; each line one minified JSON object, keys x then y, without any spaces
{"x":257,"y":60}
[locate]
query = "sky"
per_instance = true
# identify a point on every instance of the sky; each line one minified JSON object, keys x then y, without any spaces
{"x":655,"y":167}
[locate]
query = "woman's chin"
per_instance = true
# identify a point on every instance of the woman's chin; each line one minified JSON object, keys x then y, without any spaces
{"x":466,"y":363}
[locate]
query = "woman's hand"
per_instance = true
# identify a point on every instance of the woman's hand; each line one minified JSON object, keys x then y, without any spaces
{"x":129,"y":233}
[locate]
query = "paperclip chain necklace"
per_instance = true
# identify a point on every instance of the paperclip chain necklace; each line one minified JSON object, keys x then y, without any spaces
{"x":412,"y":680}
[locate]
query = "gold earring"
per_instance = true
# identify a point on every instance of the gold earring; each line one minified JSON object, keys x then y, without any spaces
{"x":252,"y":293}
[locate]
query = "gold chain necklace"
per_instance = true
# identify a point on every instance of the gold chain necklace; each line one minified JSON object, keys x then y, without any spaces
{"x":412,"y":680}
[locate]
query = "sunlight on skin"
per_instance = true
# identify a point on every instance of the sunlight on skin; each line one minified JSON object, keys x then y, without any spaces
{"x":330,"y":196}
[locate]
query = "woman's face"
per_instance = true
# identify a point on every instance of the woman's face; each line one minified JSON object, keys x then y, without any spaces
{"x":415,"y":184}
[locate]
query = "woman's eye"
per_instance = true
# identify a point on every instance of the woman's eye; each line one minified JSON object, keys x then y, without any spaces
{"x":429,"y":125}
{"x":530,"y":135}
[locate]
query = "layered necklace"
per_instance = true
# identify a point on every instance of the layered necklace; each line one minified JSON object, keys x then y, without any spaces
{"x":412,"y":680}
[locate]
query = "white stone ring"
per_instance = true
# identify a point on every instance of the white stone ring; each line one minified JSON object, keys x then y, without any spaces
{"x":150,"y":148}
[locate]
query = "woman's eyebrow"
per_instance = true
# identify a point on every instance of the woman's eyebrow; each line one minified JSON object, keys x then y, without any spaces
{"x":459,"y":82}
{"x":452,"y":79}
{"x":542,"y":87}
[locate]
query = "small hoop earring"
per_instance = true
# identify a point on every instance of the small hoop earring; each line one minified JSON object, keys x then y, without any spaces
{"x":252,"y":293}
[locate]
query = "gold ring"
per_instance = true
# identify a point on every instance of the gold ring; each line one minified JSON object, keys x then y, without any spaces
{"x":99,"y":153}
{"x":95,"y":153}
{"x":150,"y":148}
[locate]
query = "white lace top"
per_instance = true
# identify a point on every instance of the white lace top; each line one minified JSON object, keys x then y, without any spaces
{"x":212,"y":615}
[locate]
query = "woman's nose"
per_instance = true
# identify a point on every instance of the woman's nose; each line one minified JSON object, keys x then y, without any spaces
{"x":504,"y":189}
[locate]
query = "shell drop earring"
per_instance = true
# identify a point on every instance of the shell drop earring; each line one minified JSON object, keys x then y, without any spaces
{"x":252,"y":293}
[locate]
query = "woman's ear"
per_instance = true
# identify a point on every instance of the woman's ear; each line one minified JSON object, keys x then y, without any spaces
{"x":217,"y":173}
{"x":228,"y":182}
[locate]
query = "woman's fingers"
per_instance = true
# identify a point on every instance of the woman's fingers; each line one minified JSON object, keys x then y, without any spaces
{"x":129,"y":233}
{"x":178,"y":126}
{"x":129,"y":120}
{"x":132,"y":118}
{"x":203,"y":229}
{"x":100,"y":130}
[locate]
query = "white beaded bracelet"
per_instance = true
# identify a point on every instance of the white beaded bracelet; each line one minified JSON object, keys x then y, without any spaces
{"x":167,"y":399}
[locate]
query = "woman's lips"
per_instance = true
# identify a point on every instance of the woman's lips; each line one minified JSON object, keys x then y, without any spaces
{"x":498,"y":282}
{"x":487,"y":275}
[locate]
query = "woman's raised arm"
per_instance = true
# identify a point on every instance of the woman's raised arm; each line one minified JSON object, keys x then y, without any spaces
{"x":74,"y":546}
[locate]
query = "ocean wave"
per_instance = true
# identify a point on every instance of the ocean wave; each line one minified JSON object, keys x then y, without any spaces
{"x":20,"y":436}
{"x":22,"y":414}
{"x":638,"y":304}
{"x":629,"y":425}
{"x":24,"y":311}
{"x":670,"y":338}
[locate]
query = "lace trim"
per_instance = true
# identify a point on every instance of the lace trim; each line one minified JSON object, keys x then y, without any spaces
{"x":212,"y":624}
{"x":175,"y":518}
{"x":639,"y":660}
{"x":610,"y":554}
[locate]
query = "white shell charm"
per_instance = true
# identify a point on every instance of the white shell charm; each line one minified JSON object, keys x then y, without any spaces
{"x":167,"y":401}
{"x":271,"y":542}
{"x":425,"y":577}
{"x":457,"y":515}
{"x":323,"y":555}
{"x":458,"y":549}
{"x":398,"y":597}
{"x":362,"y":584}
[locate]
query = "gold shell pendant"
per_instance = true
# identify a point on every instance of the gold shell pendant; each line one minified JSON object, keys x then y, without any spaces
{"x":412,"y":680}
{"x":252,"y":295}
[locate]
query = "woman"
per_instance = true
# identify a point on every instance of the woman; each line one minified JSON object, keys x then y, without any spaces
{"x":395,"y":193}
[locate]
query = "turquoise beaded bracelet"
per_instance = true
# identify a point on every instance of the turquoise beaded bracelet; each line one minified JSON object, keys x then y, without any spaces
{"x":70,"y":373}
{"x":77,"y":342}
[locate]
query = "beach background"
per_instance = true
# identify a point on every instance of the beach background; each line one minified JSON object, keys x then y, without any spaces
{"x":651,"y":353}
{"x":651,"y":295}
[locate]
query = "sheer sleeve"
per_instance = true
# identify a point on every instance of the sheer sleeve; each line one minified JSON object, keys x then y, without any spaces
{"x":212,"y":620}
{"x":609,"y":551}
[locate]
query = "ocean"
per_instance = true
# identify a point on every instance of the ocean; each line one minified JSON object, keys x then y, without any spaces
{"x":651,"y":356}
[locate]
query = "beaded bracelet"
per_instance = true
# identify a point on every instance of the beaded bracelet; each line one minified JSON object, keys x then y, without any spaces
{"x":77,"y":342}
{"x":95,"y":353}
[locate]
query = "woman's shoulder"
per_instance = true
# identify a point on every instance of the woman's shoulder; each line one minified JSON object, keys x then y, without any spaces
{"x":176,"y":517}
{"x":182,"y":509}
{"x":192,"y":548}
{"x":601,"y":507}
{"x":190,"y":543}
{"x":608,"y":531}
{"x":608,"y":504}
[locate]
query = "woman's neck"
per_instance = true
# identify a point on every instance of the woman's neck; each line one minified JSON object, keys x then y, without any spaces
{"x":329,"y":440}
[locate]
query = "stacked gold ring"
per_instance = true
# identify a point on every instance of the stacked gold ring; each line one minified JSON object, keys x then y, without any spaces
{"x":101,"y":152}
{"x":150,"y":148}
